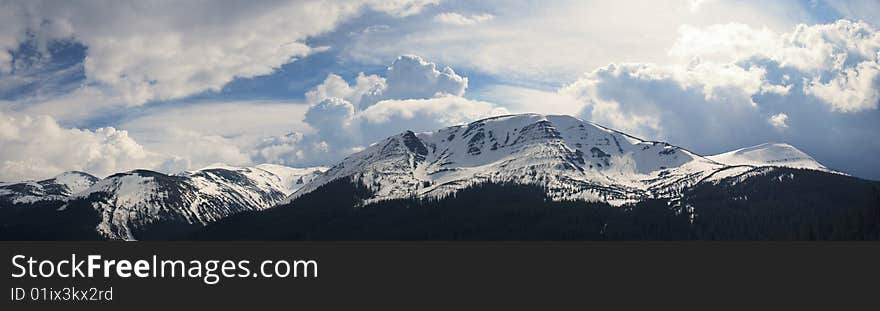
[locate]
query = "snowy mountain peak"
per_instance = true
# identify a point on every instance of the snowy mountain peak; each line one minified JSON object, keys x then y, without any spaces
{"x":769,"y":154}
{"x":574,"y":159}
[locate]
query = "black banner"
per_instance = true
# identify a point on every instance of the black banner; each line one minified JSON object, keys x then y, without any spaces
{"x":454,"y":275}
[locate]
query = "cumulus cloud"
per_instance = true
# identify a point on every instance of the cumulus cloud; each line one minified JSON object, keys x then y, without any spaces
{"x":740,"y":86}
{"x":853,"y":89}
{"x":778,"y":120}
{"x":38,"y":147}
{"x":409,"y":76}
{"x":836,"y":63}
{"x":371,"y":86}
{"x":169,"y":50}
{"x":412,"y":94}
{"x":659,"y":101}
{"x":457,"y":19}
{"x":839,"y":60}
{"x":332,"y":117}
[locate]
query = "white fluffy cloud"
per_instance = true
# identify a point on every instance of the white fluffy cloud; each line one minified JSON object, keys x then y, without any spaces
{"x":333,"y":118}
{"x":839,"y":60}
{"x":457,"y":19}
{"x":852,"y":89}
{"x":778,"y":121}
{"x":409,"y":76}
{"x":411,"y":95}
{"x":815,"y":86}
{"x":370,"y":86}
{"x":142,"y":52}
{"x":659,"y":101}
{"x":37,"y":147}
{"x":728,"y":66}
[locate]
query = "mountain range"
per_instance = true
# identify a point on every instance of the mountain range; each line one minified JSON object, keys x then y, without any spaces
{"x":553,"y":159}
{"x":573,"y":159}
{"x":147,"y":204}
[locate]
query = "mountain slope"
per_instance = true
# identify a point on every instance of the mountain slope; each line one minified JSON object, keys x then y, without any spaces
{"x":769,"y":154}
{"x":144,"y":204}
{"x":57,"y":188}
{"x":572,"y":159}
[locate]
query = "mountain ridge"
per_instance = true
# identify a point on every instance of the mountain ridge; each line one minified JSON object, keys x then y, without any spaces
{"x":576,"y":159}
{"x":568,"y":158}
{"x":128,"y":203}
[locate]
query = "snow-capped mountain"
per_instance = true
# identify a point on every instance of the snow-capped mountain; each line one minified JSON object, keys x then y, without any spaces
{"x":769,"y":154}
{"x":57,"y":188}
{"x":536,"y":177}
{"x":570,"y":158}
{"x":129,"y":203}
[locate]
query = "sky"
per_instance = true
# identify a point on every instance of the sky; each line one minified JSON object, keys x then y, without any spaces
{"x":110,"y":86}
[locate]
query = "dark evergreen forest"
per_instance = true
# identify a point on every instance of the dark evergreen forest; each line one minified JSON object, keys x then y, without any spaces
{"x":788,"y":204}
